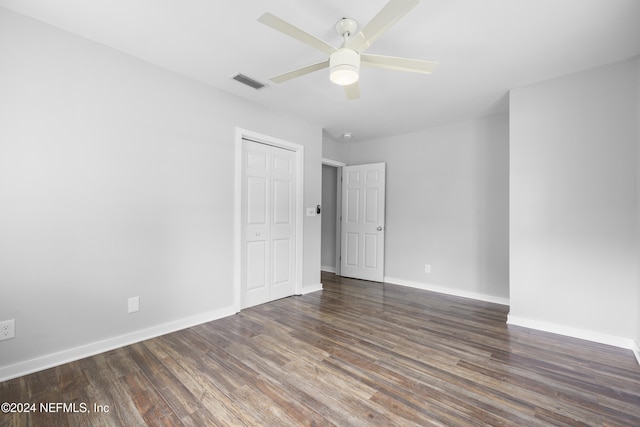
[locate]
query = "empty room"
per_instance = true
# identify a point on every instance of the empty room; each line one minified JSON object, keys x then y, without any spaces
{"x":389,"y":212}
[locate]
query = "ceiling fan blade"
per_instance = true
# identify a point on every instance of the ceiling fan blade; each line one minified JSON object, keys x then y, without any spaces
{"x":295,"y":32}
{"x":389,"y":15}
{"x":300,"y":72}
{"x":399,"y":64}
{"x":352,"y":91}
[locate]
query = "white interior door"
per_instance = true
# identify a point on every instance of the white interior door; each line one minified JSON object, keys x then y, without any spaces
{"x":269,"y":228}
{"x":362,"y":235}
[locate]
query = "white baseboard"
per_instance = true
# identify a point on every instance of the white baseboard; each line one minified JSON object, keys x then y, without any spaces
{"x":612,"y":340}
{"x":447,"y":291}
{"x":328,"y":269}
{"x":311,"y":288}
{"x":55,"y":359}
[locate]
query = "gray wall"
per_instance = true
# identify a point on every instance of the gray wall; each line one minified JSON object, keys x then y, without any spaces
{"x":573,"y":206}
{"x":447,"y":206}
{"x":117,"y":180}
{"x":329,"y":194}
{"x":335,"y":150}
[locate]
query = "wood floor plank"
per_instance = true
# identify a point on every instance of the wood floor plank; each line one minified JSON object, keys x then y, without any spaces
{"x":355,"y":354}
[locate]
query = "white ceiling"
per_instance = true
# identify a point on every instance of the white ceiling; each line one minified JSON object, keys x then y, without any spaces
{"x":484,"y":49}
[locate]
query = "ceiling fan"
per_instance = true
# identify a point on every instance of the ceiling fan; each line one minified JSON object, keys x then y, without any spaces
{"x":344,"y":62}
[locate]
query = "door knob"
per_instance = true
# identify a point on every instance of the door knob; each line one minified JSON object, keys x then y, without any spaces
{"x":379,"y":228}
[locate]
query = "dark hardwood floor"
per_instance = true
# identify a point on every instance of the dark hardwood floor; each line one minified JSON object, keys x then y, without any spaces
{"x":357,"y":353}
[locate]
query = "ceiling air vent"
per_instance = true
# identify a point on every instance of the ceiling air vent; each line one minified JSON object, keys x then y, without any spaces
{"x":248,"y":81}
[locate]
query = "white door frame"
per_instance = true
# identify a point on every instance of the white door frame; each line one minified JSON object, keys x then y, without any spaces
{"x":338,"y":165}
{"x":237,"y":212}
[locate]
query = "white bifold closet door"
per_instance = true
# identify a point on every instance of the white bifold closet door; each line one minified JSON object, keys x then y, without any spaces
{"x":268,"y":218}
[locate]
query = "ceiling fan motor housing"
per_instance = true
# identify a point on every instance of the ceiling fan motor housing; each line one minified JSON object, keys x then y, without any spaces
{"x":344,"y":65}
{"x":346,"y":27}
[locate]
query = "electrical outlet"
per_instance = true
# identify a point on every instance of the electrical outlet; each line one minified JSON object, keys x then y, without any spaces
{"x":134,"y":304}
{"x":7,"y":329}
{"x":427,"y":268}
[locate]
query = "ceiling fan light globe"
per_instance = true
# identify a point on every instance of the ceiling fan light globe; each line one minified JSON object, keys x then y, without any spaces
{"x":344,"y":65}
{"x":343,"y":75}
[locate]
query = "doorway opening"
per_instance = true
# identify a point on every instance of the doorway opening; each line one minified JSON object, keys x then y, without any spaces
{"x":353,"y":234}
{"x":331,"y":208}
